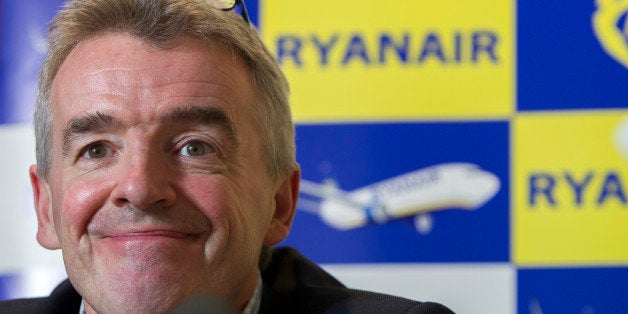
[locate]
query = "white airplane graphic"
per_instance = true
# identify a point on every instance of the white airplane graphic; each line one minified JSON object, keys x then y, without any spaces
{"x":438,"y":187}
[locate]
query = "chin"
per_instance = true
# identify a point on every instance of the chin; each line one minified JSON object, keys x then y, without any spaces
{"x":143,"y":300}
{"x":138,"y":293}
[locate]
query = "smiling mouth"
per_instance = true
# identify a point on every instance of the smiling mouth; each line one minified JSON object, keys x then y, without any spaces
{"x":153,"y":234}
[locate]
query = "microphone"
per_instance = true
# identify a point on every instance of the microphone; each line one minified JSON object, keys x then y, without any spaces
{"x":204,"y":305}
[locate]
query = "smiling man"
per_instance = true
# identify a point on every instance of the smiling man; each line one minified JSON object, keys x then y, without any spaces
{"x":156,"y":166}
{"x":166,"y":167}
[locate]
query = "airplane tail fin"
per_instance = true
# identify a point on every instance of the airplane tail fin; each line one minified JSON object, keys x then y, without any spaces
{"x":328,"y":189}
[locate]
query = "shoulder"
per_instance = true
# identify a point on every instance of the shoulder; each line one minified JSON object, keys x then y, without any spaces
{"x":345,"y":300}
{"x":294,"y":284}
{"x":22,"y":305}
{"x":64,"y":299}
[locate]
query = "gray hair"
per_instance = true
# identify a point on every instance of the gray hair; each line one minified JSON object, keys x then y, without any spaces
{"x":160,"y":22}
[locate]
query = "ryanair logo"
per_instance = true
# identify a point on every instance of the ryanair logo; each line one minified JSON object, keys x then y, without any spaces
{"x":570,"y":189}
{"x":610,"y":24}
{"x":354,"y":60}
{"x":406,"y":48}
{"x":591,"y":187}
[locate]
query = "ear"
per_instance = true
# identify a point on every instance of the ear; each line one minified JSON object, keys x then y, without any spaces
{"x":46,"y":233}
{"x":286,"y":195}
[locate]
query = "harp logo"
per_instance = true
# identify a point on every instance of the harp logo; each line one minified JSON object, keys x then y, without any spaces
{"x":610,"y":24}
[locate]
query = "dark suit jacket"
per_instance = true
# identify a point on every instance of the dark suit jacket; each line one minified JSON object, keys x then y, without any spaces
{"x":292,"y":284}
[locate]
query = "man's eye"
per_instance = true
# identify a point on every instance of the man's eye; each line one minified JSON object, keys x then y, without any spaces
{"x":196,"y":148}
{"x":96,"y":150}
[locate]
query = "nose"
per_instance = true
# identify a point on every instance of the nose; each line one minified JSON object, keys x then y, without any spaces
{"x":144,"y":182}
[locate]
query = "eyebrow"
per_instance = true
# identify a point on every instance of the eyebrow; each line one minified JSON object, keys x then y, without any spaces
{"x":89,"y":123}
{"x":100,"y":122}
{"x":201,"y":116}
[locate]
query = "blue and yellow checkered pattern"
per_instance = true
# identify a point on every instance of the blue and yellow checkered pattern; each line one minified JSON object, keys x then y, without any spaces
{"x":533,"y":92}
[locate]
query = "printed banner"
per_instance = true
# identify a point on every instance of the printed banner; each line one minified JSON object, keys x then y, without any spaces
{"x":351,"y":60}
{"x":570,"y":189}
{"x":23,"y":46}
{"x":572,"y":55}
{"x":415,"y":192}
{"x":572,"y":290}
{"x":479,"y":148}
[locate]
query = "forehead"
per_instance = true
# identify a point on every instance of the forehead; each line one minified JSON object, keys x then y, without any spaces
{"x":118,"y":72}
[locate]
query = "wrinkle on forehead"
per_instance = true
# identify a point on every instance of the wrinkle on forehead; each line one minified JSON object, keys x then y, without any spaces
{"x":126,"y":58}
{"x":118,"y":64}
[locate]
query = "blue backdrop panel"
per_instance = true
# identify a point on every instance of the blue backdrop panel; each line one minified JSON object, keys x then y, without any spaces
{"x":8,"y":284}
{"x":24,"y":24}
{"x":252,"y":7}
{"x":576,"y":290}
{"x":356,"y":155}
{"x":560,"y":61}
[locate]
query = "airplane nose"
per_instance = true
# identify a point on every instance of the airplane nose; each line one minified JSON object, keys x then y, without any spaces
{"x":481,"y":188}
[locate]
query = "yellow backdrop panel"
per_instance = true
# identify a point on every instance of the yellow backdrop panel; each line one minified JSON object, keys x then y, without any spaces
{"x":347,"y":60}
{"x":570,"y":184}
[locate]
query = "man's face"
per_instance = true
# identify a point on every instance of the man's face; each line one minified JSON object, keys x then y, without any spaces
{"x":158,"y":187}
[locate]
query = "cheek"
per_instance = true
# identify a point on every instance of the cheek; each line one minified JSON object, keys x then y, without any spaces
{"x":216,"y":198}
{"x":80,"y":200}
{"x":232,"y":206}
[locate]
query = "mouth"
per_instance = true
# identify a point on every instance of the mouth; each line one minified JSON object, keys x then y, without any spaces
{"x":151,"y":234}
{"x":139,"y":248}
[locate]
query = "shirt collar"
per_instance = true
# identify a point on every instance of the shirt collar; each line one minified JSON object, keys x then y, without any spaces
{"x":252,"y":307}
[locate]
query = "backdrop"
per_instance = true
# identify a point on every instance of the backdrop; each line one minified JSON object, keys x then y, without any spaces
{"x":469,"y":152}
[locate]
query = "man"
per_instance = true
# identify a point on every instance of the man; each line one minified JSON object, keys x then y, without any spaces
{"x":166,"y":167}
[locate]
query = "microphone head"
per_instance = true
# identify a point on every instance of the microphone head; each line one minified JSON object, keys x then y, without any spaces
{"x":204,"y":305}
